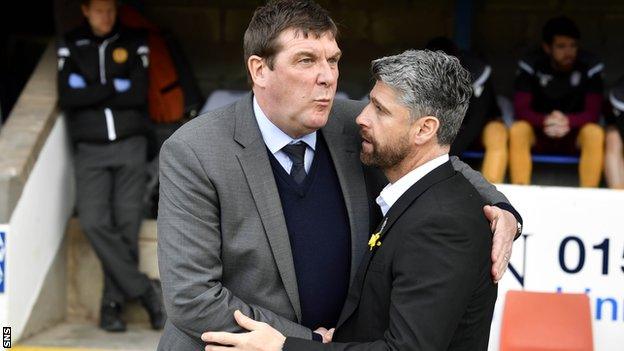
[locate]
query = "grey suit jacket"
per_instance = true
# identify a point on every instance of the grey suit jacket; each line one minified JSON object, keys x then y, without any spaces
{"x":222,"y":238}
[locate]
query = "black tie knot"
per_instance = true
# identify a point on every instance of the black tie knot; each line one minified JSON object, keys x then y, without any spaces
{"x":296,"y":153}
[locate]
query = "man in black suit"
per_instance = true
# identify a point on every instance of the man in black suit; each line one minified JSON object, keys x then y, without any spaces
{"x":424,"y":282}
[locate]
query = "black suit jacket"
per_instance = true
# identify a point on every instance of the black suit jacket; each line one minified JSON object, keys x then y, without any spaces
{"x":428,"y":286}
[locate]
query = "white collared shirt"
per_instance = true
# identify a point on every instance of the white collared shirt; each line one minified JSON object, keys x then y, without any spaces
{"x":275,"y":139}
{"x":392,"y":192}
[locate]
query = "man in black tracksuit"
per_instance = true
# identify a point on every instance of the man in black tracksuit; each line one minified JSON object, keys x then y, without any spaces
{"x":102,"y":85}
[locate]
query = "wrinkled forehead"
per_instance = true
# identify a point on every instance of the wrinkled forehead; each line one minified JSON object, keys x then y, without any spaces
{"x":293,"y":38}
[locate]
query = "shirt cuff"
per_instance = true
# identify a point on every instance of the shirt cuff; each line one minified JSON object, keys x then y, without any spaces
{"x":508,"y":207}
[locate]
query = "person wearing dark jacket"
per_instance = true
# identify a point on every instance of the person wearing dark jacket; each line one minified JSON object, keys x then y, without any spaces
{"x":557,"y":103}
{"x":102,"y":86}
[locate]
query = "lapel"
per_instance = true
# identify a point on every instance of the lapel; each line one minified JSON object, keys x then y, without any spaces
{"x":346,"y":158}
{"x":439,"y":174}
{"x":256,"y":166}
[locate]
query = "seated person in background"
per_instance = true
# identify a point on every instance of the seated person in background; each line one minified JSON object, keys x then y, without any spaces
{"x":557,"y":102}
{"x":483,"y":118}
{"x":614,"y":157}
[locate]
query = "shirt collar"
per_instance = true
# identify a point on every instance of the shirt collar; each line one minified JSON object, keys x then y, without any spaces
{"x":274,"y":138}
{"x":393,"y":191}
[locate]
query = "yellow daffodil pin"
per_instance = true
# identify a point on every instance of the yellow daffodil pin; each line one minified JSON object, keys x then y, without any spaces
{"x":374,"y":241}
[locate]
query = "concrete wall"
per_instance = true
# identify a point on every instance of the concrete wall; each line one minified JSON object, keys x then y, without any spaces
{"x":211,"y":33}
{"x":85,"y":278}
{"x":36,"y":199}
{"x":36,"y":231}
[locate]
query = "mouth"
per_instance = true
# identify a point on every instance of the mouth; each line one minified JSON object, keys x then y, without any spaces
{"x":322,"y":102}
{"x":365,"y":140}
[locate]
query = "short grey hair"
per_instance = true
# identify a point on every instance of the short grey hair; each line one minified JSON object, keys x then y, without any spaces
{"x":429,"y":84}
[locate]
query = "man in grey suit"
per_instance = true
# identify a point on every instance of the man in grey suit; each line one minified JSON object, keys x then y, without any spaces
{"x":265,"y":206}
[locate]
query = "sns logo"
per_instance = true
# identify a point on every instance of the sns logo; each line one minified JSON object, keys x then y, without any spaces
{"x":6,"y":337}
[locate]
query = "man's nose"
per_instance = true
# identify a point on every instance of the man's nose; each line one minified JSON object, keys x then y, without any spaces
{"x":362,"y":119}
{"x":328,"y":75}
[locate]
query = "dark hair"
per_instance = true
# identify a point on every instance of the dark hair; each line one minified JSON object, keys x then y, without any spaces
{"x":276,"y":16}
{"x":560,"y":26}
{"x":443,"y":44}
{"x":87,"y":3}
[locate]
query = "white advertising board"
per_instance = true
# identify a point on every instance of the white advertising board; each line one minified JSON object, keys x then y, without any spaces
{"x":572,"y":242}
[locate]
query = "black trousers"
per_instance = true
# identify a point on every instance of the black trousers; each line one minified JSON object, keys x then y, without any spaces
{"x":110,"y":182}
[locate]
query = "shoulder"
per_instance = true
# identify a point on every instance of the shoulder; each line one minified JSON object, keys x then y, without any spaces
{"x":211,"y":129}
{"x":346,"y":111}
{"x":452,"y":203}
{"x":347,"y":108}
{"x":532,"y":61}
{"x":457,"y":192}
{"x":616,"y":95}
{"x":590,"y":63}
{"x":73,"y":38}
{"x":479,"y":70}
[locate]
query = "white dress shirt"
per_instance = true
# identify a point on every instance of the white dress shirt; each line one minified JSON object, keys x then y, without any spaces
{"x":275,"y":139}
{"x":393,"y":191}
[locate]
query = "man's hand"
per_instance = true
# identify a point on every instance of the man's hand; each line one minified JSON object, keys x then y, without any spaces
{"x":556,"y":125}
{"x":504,"y":226}
{"x":262,"y":337}
{"x":326,"y":334}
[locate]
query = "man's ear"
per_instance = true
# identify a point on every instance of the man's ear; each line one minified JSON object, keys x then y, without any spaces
{"x":426,"y":129}
{"x":257,"y":70}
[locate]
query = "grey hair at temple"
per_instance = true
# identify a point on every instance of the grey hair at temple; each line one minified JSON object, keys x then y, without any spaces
{"x":429,"y":84}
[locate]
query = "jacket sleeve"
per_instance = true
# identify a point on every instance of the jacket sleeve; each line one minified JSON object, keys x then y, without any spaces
{"x":488,"y":191}
{"x":591,"y":113}
{"x":429,"y":299}
{"x":523,"y":95}
{"x":189,"y":251}
{"x":523,"y":109}
{"x":136,"y":95}
{"x":83,"y":95}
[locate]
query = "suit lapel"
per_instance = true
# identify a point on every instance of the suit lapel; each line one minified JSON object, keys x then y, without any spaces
{"x":256,"y":166}
{"x":344,"y":153}
{"x":403,"y":203}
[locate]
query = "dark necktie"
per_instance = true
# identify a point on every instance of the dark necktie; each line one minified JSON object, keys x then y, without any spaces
{"x":296,"y":152}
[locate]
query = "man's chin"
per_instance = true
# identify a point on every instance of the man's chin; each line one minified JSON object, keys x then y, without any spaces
{"x":318,"y":121}
{"x":368,"y":159}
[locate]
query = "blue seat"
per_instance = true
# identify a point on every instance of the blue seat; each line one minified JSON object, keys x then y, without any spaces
{"x":537,"y":158}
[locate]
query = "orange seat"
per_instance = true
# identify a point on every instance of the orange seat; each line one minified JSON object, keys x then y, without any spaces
{"x":546,"y":322}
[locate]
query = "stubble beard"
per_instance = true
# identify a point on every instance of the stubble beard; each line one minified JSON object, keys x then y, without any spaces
{"x":385,"y":157}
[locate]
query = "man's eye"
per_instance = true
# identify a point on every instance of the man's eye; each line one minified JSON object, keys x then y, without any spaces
{"x":306,"y":60}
